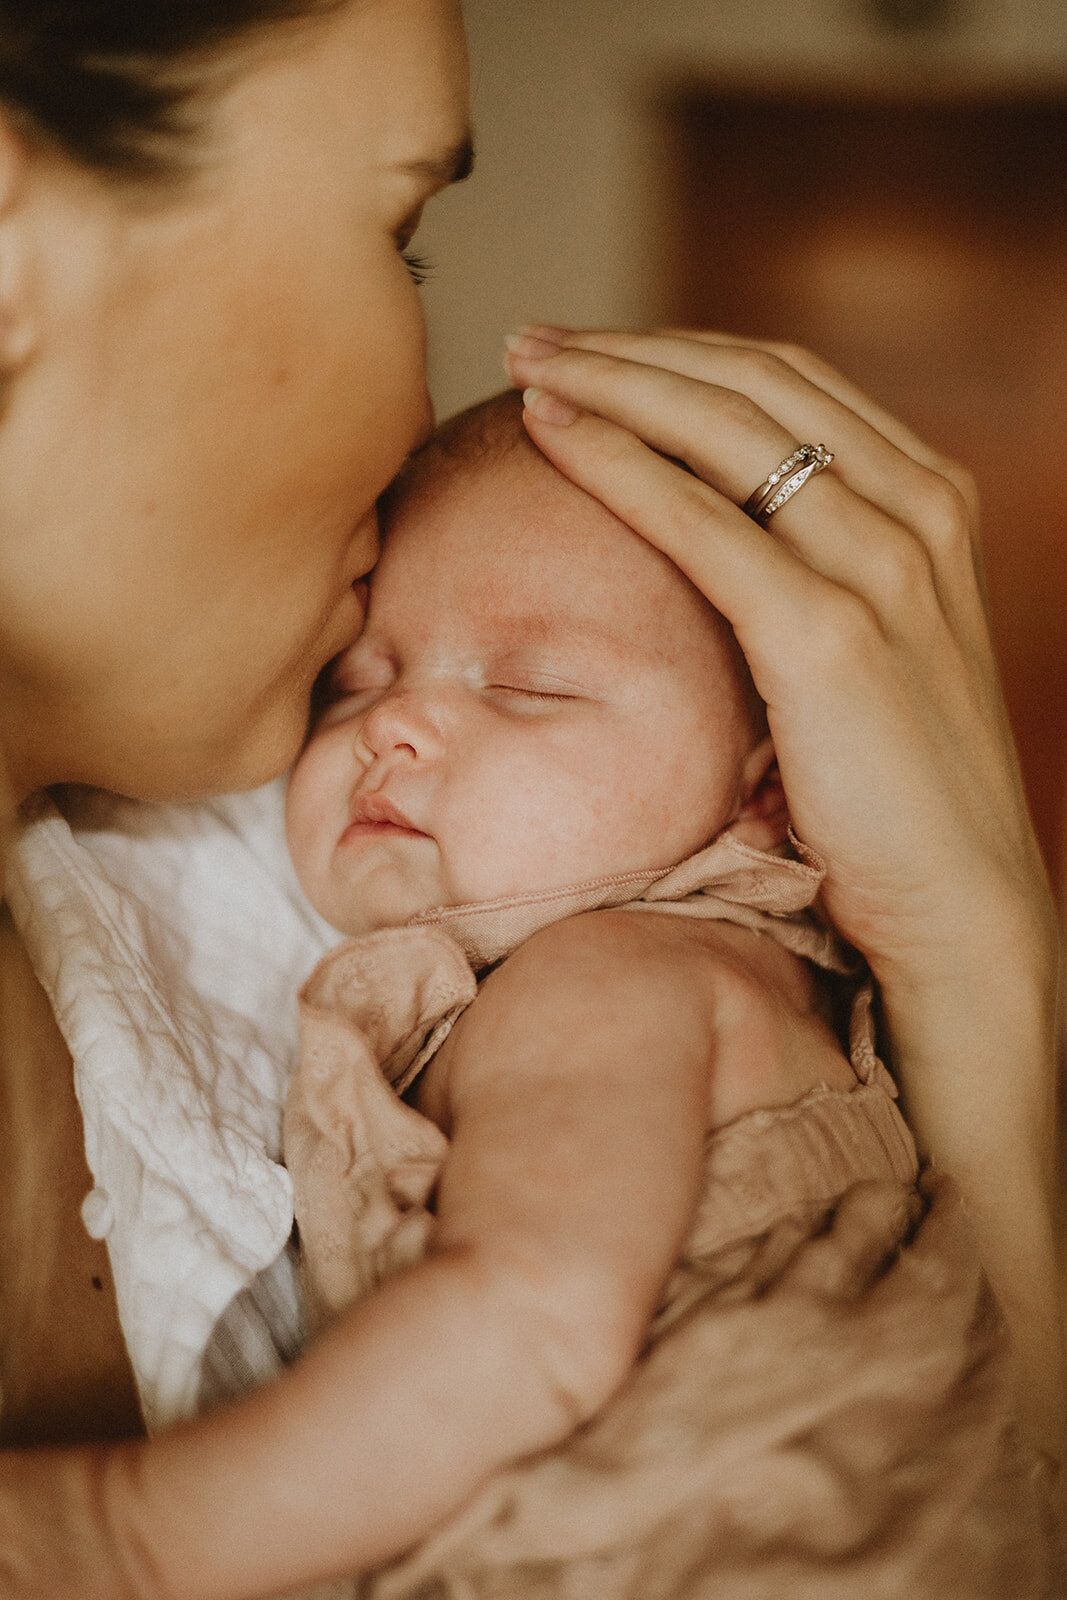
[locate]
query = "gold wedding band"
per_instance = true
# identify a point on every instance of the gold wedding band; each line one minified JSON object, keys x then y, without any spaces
{"x":785,"y":480}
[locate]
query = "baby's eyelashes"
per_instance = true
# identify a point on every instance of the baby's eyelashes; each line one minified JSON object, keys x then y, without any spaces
{"x":340,"y":707}
{"x":530,"y":696}
{"x":353,"y":687}
{"x":360,"y":680}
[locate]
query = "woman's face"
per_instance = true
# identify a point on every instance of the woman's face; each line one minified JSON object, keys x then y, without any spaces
{"x":219,"y":384}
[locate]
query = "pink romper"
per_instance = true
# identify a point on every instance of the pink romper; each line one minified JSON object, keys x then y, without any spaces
{"x":823,"y":1407}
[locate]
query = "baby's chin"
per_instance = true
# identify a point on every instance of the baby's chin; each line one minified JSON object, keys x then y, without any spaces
{"x":357,"y":910}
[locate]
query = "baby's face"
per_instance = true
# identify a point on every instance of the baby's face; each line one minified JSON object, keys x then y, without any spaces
{"x":538,"y":698}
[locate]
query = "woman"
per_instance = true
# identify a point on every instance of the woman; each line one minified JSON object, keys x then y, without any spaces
{"x":213,"y":353}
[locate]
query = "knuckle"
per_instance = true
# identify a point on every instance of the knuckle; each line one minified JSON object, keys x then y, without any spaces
{"x":791,"y":355}
{"x":732,"y":406}
{"x":695,"y":512}
{"x":615,"y":448}
{"x":848,"y":632}
{"x":950,"y":510}
{"x":803,"y":361}
{"x":766,"y":365}
{"x":594,"y":364}
{"x":966,"y":486}
{"x":581,"y":370}
{"x":906,"y":576}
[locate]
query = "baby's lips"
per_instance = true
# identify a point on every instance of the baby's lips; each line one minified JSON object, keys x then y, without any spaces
{"x":377,"y":807}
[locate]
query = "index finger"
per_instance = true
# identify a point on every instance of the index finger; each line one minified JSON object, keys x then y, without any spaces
{"x":666,"y":346}
{"x":760,"y":584}
{"x":599,"y":373}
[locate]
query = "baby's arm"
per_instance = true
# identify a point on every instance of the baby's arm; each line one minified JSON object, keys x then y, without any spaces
{"x":576,"y":1095}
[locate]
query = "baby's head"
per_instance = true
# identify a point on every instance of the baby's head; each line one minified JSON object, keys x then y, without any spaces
{"x":539,"y":698}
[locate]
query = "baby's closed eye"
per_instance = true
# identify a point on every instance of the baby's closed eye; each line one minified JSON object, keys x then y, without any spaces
{"x":521,"y":695}
{"x":353,"y":688}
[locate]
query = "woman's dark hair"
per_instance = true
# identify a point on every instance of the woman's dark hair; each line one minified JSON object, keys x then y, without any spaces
{"x":113,"y":82}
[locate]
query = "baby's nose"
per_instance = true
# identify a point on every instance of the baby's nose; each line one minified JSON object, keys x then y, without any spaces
{"x":402,"y":721}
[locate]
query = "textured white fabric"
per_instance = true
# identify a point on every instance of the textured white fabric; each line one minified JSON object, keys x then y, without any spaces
{"x":170,"y":941}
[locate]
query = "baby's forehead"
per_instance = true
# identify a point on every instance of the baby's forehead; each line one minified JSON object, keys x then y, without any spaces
{"x":508,"y":517}
{"x":502,"y":558}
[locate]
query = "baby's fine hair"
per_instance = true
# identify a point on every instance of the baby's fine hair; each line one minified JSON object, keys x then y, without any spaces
{"x":482,"y":434}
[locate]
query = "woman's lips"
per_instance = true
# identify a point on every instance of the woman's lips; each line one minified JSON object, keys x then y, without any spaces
{"x":372,"y":815}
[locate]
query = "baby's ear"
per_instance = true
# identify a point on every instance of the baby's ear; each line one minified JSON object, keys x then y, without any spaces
{"x":763,"y":818}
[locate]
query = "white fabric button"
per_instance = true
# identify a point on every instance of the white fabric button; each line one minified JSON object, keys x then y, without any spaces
{"x":98,"y":1213}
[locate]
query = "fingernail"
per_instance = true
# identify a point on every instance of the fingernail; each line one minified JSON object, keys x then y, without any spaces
{"x":527,"y":348}
{"x":548,"y":408}
{"x":546,"y":331}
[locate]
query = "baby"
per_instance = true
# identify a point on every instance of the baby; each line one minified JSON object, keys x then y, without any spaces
{"x":542,"y":716}
{"x":538,"y":698}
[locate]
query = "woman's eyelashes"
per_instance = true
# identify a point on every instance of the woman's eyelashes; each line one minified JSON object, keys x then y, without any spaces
{"x":419,"y":267}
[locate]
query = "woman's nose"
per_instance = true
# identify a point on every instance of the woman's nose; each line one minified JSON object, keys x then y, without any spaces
{"x":402,"y":721}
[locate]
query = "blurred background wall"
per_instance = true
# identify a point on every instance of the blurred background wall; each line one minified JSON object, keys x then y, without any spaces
{"x":885,"y":180}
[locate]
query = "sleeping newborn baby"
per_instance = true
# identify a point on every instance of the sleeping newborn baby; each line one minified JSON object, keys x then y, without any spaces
{"x":541,"y":717}
{"x":539,"y":698}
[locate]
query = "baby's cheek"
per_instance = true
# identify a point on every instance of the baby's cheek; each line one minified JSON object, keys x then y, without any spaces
{"x":664,"y":798}
{"x":308,"y":805}
{"x":500,"y":824}
{"x":699,"y":798}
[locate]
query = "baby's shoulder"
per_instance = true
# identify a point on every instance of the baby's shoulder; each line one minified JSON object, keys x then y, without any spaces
{"x":725,"y":961}
{"x":765,"y":1013}
{"x":647,"y":980}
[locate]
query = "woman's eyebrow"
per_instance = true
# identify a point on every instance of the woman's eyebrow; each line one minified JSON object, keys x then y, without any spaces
{"x":451,"y":166}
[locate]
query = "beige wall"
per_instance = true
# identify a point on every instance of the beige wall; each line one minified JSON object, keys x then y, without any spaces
{"x":558,"y":221}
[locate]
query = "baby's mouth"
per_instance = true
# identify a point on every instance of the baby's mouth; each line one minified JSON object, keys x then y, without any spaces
{"x":374,"y":814}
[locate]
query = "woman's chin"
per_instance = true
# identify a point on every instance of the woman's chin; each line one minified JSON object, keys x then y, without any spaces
{"x":224,"y":766}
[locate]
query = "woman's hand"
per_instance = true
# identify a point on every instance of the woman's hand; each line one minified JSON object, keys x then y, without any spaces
{"x":860,"y":611}
{"x":858,"y":608}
